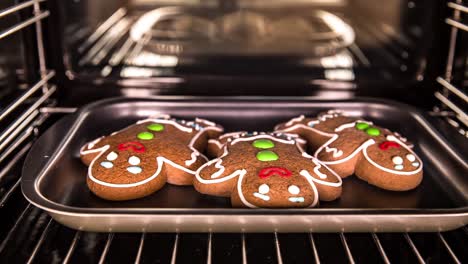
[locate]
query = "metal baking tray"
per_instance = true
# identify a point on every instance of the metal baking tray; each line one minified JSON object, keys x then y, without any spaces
{"x":54,"y":178}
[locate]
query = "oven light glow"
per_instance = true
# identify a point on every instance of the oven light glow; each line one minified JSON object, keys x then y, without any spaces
{"x":135,"y":72}
{"x":339,"y":74}
{"x":339,"y":26}
{"x":340,"y":60}
{"x":154,"y":60}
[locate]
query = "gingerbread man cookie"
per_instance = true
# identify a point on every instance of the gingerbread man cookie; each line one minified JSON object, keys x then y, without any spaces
{"x":140,"y":159}
{"x":353,"y":146}
{"x":267,"y":171}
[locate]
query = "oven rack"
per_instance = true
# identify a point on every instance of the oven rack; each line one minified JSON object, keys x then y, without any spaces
{"x":21,"y":117}
{"x":453,"y":100}
{"x":36,"y":238}
{"x":109,"y":51}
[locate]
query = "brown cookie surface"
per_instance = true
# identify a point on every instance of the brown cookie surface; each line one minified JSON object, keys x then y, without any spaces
{"x":140,"y":159}
{"x":353,"y":146}
{"x":267,"y":171}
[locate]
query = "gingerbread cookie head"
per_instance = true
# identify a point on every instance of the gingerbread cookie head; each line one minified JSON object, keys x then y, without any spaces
{"x":216,"y":145}
{"x":353,"y":146}
{"x":267,"y":171}
{"x":141,"y":158}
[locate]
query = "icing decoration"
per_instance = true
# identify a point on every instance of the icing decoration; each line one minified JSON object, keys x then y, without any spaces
{"x":336,"y":153}
{"x":363,"y":147}
{"x":262,"y":196}
{"x":296,"y":199}
{"x":240,"y":173}
{"x":353,"y":124}
{"x":398,"y":167}
{"x":270,"y":171}
{"x":112,"y":156}
{"x":411,"y":157}
{"x":138,"y":147}
{"x":155,"y":127}
{"x":361,"y":125}
{"x":397,"y":160}
{"x":311,"y":124}
{"x":263,"y":143}
{"x":107,"y":164}
{"x":134,"y":160}
{"x":131,"y":146}
{"x":415,"y":164}
{"x":294,"y":120}
{"x":145,"y":136}
{"x":168,"y":122}
{"x":204,"y":121}
{"x":263,"y":189}
{"x":256,"y":136}
{"x":267,"y":155}
{"x":388,"y":144}
{"x":134,"y":169}
{"x":293,"y":189}
{"x":372,"y":131}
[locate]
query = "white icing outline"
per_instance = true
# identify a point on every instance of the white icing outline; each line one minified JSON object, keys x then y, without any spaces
{"x":336,"y":152}
{"x":263,"y":136}
{"x":352,"y":124}
{"x":167,"y":122}
{"x":261,"y":196}
{"x":195,"y":153}
{"x":216,"y":142}
{"x":160,"y":160}
{"x":362,"y":147}
{"x":294,"y":120}
{"x":241,"y":172}
{"x":204,"y":121}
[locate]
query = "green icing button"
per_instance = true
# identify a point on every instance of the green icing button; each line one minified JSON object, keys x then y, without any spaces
{"x":263,"y":143}
{"x":145,"y":135}
{"x":266,"y":155}
{"x":372,"y":131}
{"x":155,"y":127}
{"x":362,"y":126}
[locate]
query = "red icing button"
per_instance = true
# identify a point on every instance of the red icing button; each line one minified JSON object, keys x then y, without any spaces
{"x":132,"y":146}
{"x":388,"y":144}
{"x":270,"y":171}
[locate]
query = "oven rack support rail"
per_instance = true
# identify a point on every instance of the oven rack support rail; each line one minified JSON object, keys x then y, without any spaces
{"x":452,"y":99}
{"x":21,"y":117}
{"x":76,"y":246}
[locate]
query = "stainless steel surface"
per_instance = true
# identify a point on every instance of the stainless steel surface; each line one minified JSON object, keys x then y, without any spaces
{"x":18,"y":7}
{"x":440,"y":203}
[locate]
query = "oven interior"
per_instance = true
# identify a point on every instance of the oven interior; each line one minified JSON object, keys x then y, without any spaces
{"x":56,"y":56}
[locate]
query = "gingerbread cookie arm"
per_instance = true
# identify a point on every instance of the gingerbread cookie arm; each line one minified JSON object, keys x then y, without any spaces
{"x":216,"y":178}
{"x":328,"y":183}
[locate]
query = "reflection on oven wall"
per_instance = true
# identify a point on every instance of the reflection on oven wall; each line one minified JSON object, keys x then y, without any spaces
{"x":335,"y":49}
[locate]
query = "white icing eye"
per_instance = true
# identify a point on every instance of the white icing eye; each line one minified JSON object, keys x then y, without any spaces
{"x":134,"y":160}
{"x":112,"y":156}
{"x":134,"y":169}
{"x":415,"y":164}
{"x":411,"y":157}
{"x":397,"y":160}
{"x":263,"y":189}
{"x":107,"y":164}
{"x":398,"y":167}
{"x":293,"y":189}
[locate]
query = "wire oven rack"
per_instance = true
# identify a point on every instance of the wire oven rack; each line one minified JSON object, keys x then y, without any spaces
{"x":453,"y":100}
{"x":29,"y":235}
